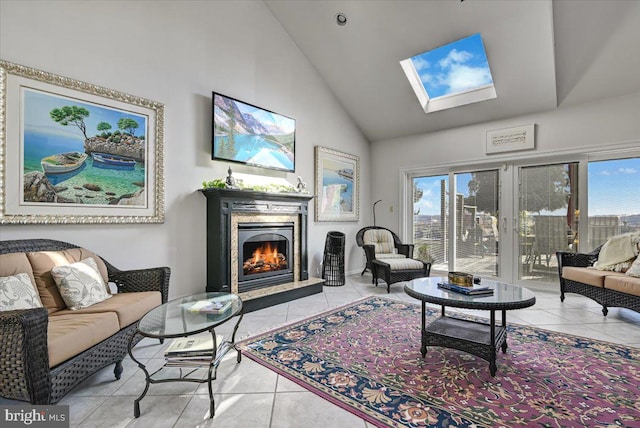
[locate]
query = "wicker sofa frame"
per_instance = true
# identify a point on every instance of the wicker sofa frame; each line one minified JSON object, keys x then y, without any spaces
{"x":604,"y":296}
{"x":25,"y":374}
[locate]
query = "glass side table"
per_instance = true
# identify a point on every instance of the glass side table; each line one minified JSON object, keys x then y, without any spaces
{"x":175,"y":319}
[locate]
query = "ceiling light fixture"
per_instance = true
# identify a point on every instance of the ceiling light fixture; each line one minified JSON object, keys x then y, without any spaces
{"x":341,"y":19}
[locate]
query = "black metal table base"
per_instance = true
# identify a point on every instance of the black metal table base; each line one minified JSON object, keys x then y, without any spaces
{"x":480,"y":339}
{"x":219,"y":352}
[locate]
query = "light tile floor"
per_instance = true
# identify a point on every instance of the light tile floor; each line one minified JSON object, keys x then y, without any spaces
{"x":249,"y":395}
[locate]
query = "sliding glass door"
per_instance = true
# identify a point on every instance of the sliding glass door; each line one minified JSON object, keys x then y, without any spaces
{"x":547,"y":218}
{"x":509,"y":222}
{"x":614,"y":199}
{"x":470,"y":241}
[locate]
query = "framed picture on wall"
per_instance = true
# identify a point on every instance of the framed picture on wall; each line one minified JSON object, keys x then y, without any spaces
{"x":337,"y":185}
{"x":73,"y":152}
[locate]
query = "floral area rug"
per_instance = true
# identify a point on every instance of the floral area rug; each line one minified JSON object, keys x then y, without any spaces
{"x":365,"y":358}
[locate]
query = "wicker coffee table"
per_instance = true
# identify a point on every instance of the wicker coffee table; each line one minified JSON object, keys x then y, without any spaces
{"x":478,"y":338}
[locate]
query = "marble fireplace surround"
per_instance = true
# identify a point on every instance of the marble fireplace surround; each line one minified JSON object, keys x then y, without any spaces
{"x":238,"y":218}
{"x":226,"y":209}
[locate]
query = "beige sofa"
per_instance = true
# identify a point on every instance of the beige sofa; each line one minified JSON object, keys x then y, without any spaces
{"x":580,"y":273}
{"x":46,"y":351}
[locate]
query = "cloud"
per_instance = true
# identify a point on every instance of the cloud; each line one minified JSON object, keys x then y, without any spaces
{"x":462,"y":78}
{"x":605,"y":172}
{"x":425,"y":206}
{"x":455,"y":57}
{"x":627,"y":170}
{"x":420,"y":63}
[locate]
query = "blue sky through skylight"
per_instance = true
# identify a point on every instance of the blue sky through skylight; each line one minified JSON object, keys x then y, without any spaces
{"x":454,"y":68}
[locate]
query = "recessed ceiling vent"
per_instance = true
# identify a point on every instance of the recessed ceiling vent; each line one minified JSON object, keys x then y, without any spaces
{"x":451,"y":75}
{"x":341,"y":19}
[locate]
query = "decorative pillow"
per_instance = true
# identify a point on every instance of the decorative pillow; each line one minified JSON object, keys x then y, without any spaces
{"x":80,"y":284}
{"x":18,"y":292}
{"x":634,"y":270}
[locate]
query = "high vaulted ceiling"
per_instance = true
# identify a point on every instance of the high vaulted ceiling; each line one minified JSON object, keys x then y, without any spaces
{"x":543,"y":54}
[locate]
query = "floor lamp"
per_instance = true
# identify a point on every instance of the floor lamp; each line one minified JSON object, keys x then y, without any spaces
{"x":374,"y":211}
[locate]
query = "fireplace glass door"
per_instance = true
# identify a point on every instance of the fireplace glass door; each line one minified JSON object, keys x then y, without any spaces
{"x":265,"y":255}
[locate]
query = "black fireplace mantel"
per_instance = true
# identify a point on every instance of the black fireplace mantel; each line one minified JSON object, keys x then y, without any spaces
{"x":221,"y":203}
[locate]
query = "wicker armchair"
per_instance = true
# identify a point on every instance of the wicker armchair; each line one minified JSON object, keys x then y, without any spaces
{"x":388,"y":258}
{"x":402,"y":250}
{"x":25,"y":374}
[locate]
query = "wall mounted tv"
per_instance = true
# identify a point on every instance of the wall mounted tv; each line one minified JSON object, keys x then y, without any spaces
{"x":251,"y":135}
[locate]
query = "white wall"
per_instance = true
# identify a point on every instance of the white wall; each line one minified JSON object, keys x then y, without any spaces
{"x":177,"y":53}
{"x":592,"y":127}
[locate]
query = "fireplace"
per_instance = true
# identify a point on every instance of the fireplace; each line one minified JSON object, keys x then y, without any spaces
{"x":265,"y":255}
{"x":257,"y":246}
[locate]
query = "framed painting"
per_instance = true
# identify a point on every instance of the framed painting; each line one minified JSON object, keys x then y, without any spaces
{"x":76,"y":153}
{"x":337,"y":185}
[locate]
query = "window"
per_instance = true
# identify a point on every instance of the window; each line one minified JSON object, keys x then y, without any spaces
{"x":475,"y":212}
{"x":451,"y":75}
{"x":430,"y":219}
{"x":614,"y":199}
{"x":548,"y":218}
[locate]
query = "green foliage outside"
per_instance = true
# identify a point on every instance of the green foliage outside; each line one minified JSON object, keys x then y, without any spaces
{"x":422,"y":253}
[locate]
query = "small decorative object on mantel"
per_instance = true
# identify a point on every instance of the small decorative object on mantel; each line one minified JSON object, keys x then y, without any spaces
{"x":230,"y":182}
{"x":302,"y":185}
{"x":461,"y":278}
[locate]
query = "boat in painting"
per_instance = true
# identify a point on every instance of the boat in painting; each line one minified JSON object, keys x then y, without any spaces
{"x":63,"y":162}
{"x":345,"y":173}
{"x":113,"y":160}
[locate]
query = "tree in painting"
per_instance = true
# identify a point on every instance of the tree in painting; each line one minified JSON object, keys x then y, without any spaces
{"x":73,"y":115}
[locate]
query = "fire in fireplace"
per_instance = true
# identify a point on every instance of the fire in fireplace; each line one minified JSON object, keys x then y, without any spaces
{"x":265,"y":255}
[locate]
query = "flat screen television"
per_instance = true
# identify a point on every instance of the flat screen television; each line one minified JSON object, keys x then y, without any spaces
{"x":251,"y":135}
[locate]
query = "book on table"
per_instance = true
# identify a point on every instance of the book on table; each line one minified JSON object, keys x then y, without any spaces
{"x":210,"y":306}
{"x":468,"y":291}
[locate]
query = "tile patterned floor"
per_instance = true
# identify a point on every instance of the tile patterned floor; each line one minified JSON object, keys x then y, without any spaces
{"x":249,"y":395}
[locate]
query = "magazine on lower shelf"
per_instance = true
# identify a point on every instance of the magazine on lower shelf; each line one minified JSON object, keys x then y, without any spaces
{"x":468,"y":291}
{"x":193,"y":346}
{"x":195,"y":351}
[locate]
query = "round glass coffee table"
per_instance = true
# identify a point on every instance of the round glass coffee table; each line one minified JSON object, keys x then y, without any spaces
{"x":475,"y":337}
{"x":184,"y":317}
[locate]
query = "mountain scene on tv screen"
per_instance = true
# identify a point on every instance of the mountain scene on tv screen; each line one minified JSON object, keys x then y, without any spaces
{"x":245,"y":133}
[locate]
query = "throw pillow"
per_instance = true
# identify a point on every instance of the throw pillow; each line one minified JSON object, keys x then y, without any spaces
{"x":80,"y":284}
{"x":634,"y":270}
{"x":18,"y":292}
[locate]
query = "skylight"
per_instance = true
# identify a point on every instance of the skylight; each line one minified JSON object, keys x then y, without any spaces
{"x":451,"y":75}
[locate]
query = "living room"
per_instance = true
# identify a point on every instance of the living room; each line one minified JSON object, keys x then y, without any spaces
{"x":177,"y":53}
